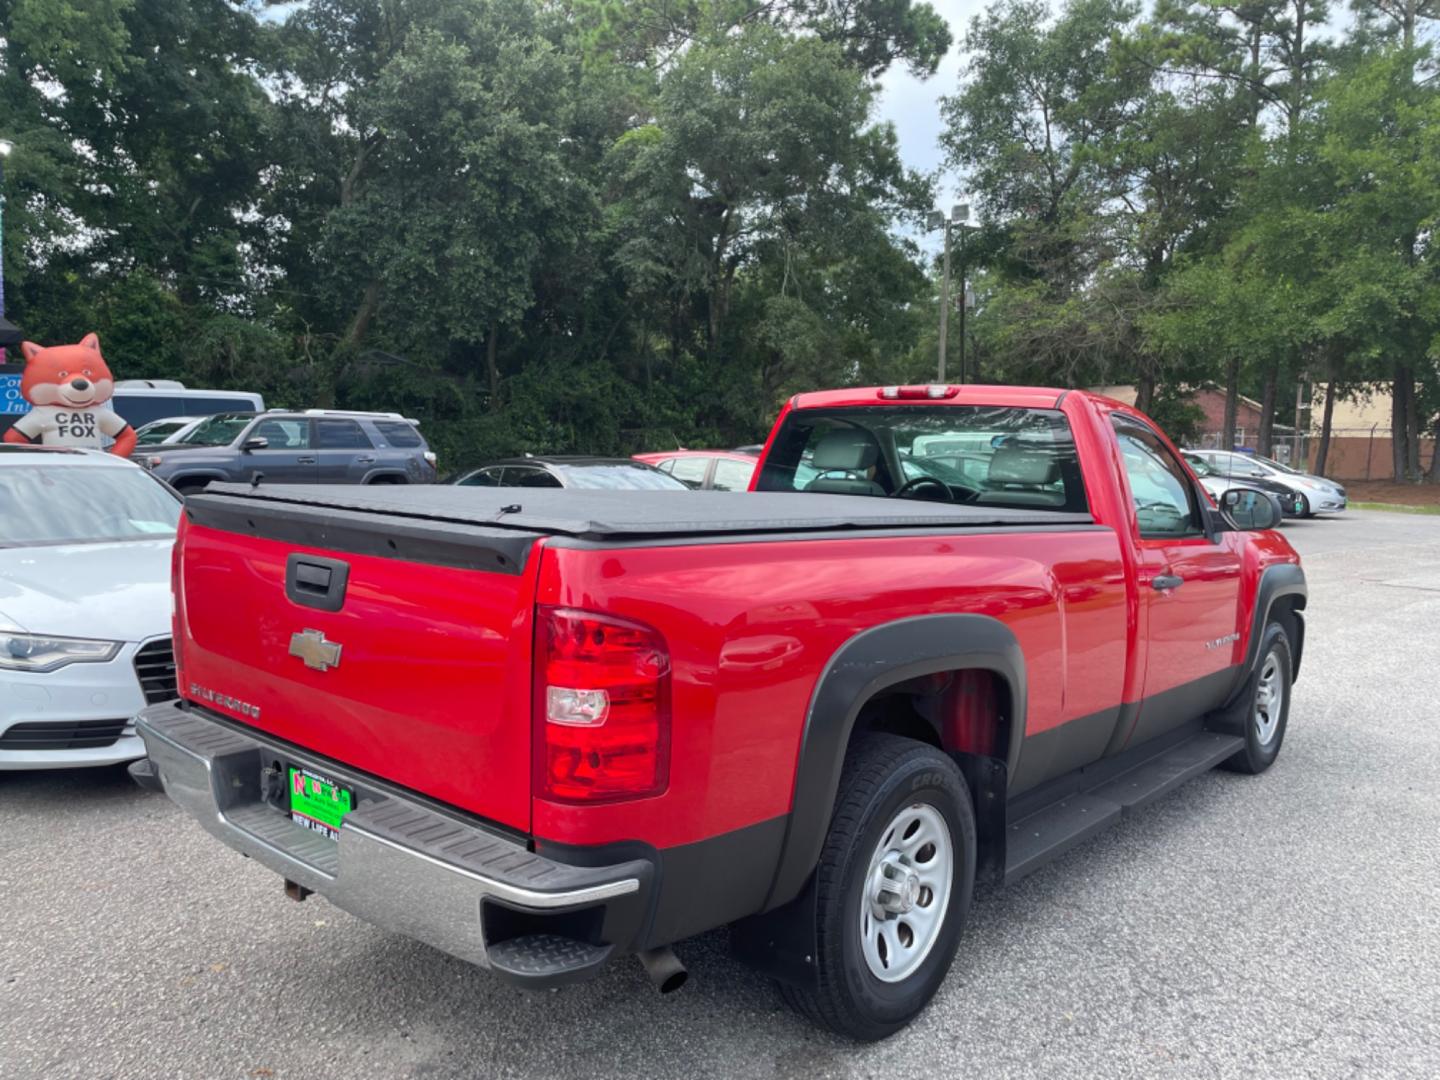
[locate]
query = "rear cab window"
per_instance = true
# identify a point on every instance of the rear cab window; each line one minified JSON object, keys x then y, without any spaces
{"x":1021,"y":458}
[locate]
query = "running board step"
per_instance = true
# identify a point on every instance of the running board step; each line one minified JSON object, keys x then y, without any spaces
{"x":1150,"y":780}
{"x":546,"y":959}
{"x":1051,"y":831}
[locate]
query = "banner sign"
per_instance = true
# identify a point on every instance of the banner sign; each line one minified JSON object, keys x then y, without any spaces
{"x":12,"y":401}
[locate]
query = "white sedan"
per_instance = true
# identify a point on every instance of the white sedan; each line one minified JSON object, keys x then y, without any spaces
{"x":85,"y":542}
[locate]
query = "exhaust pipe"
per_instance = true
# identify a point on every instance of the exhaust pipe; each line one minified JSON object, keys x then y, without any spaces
{"x":664,"y":968}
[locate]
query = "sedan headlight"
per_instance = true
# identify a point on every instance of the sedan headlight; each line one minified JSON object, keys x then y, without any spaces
{"x":36,"y":652}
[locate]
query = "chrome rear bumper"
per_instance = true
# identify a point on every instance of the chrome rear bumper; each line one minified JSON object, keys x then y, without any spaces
{"x":399,"y":863}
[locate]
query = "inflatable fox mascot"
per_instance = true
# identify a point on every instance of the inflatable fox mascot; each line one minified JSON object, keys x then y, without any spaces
{"x":66,"y":386}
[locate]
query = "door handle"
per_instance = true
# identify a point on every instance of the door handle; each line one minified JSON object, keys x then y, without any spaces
{"x":305,"y":461}
{"x":1166,"y":581}
{"x":365,"y":460}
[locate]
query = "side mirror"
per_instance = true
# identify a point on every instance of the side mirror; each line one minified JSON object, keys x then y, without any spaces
{"x":259,"y":442}
{"x":1250,"y":509}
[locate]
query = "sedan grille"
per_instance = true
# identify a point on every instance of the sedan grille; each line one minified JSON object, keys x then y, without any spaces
{"x":155,"y":668}
{"x":71,"y":735}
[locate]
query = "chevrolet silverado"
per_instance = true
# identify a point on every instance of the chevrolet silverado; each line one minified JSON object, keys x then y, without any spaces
{"x":950,"y":633}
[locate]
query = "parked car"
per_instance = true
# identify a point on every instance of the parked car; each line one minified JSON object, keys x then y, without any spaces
{"x":85,"y":541}
{"x":708,"y":470}
{"x":543,"y":732}
{"x":312,"y":446}
{"x":1217,"y":484}
{"x":570,"y":471}
{"x":1307,"y":494}
{"x":168,"y":429}
{"x":142,"y":400}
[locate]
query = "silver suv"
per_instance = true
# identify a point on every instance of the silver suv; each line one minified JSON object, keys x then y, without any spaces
{"x":310,"y":446}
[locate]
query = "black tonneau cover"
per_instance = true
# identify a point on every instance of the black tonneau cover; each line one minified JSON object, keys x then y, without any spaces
{"x":627,"y":515}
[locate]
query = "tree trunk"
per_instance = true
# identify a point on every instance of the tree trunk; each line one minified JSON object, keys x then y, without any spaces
{"x":492,"y":369}
{"x":361,"y":322}
{"x":1434,"y":475}
{"x":1326,"y":419}
{"x":1399,"y":413}
{"x":1145,"y":392}
{"x":1265,"y":439}
{"x":1232,"y":403}
{"x":1412,"y":429}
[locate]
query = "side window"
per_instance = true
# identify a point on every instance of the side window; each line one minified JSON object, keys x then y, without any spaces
{"x":341,"y":435}
{"x":530,"y":477}
{"x":668,"y":465}
{"x":1164,"y":501}
{"x":399,"y":433}
{"x":482,"y":478}
{"x":283,"y":434}
{"x":732,"y":475}
{"x":690,"y":470}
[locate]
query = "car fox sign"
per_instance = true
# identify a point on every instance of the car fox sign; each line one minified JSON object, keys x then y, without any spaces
{"x":67,"y":387}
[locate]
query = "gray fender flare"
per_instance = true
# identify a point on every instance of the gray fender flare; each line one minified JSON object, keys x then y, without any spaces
{"x":1281,"y":579}
{"x":866,"y":664}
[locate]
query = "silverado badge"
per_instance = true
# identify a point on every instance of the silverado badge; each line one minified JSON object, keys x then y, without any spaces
{"x":311,"y":646}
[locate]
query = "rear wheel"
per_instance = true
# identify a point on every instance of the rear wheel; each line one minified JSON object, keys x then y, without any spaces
{"x":1264,"y":707}
{"x":893,"y":888}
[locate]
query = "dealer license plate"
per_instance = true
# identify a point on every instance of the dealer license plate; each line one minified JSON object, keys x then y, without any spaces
{"x":317,"y":802}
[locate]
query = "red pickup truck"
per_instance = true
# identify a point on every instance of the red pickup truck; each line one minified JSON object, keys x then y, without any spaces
{"x":950,"y":633}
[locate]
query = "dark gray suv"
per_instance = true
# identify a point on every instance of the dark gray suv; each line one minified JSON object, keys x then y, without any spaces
{"x":311,"y":446}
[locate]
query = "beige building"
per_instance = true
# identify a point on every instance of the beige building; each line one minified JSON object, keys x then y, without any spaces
{"x":1367,"y":409}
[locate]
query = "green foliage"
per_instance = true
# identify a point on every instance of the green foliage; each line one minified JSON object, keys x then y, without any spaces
{"x":534,"y":227}
{"x":618,"y":224}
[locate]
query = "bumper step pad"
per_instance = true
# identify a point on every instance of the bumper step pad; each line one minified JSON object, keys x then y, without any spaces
{"x":548,"y":957}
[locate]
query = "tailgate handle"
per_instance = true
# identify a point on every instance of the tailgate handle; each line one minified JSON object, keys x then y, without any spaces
{"x":316,"y":582}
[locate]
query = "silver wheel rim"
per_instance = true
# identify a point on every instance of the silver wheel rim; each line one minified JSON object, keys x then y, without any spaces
{"x":1269,"y":699}
{"x":906,"y":892}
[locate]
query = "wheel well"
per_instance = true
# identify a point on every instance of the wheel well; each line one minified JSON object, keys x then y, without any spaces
{"x":967,"y":711}
{"x":968,"y":714}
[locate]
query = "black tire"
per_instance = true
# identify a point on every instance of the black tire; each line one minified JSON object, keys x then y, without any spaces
{"x":1305,"y":511}
{"x":883,"y":776}
{"x":1262,"y":741}
{"x":191,"y":487}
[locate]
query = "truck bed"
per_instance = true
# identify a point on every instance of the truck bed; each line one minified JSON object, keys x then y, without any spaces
{"x":629,"y":515}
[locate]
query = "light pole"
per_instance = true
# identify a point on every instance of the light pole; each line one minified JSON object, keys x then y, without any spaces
{"x":5,"y":147}
{"x":959,"y":215}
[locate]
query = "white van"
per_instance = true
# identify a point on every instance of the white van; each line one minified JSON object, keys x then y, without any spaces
{"x":141,"y":400}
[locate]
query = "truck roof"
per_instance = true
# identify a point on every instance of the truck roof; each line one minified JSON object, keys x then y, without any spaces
{"x":610,"y":515}
{"x":1029,"y":397}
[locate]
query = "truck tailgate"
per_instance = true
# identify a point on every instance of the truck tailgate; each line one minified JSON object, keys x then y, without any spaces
{"x":430,"y":687}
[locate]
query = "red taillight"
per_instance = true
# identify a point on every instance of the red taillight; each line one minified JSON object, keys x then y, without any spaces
{"x":602,"y":707}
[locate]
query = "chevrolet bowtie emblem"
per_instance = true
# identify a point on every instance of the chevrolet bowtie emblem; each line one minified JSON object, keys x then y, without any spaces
{"x":311,"y":646}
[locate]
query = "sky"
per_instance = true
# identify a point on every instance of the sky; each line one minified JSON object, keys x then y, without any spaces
{"x":913,"y":106}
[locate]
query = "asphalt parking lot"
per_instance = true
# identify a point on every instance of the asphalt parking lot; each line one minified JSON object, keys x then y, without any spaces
{"x":1283,"y":926}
